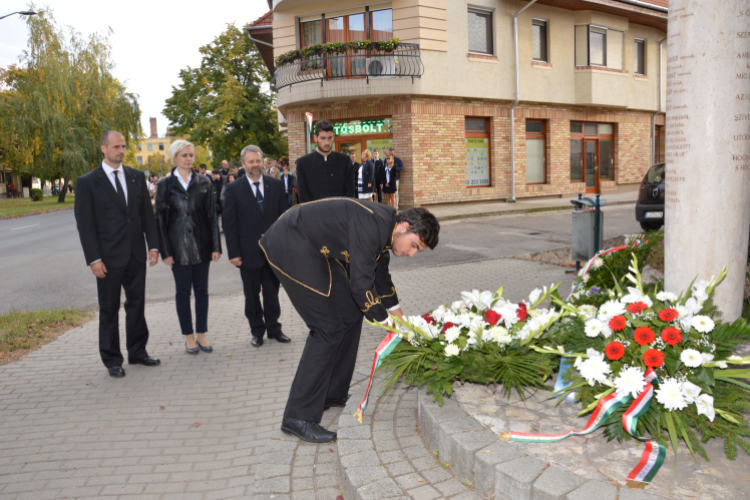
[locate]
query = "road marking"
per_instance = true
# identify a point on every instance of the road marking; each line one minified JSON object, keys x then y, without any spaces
{"x":24,"y":227}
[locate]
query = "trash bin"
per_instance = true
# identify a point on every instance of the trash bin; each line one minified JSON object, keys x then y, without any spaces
{"x":588,"y":228}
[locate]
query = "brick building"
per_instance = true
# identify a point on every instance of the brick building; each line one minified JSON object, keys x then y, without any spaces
{"x":588,"y":116}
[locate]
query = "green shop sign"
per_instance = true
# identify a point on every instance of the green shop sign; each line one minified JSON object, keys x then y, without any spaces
{"x":362,"y":127}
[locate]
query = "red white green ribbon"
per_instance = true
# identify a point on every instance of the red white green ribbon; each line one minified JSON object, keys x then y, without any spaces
{"x":654,"y":454}
{"x":384,"y":349}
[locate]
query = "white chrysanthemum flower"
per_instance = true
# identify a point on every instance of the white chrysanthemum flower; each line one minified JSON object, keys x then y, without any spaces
{"x":458,"y":306}
{"x":451,"y":350}
{"x":452,"y":333}
{"x":593,"y":328}
{"x":595,"y":369}
{"x":500,"y":335}
{"x":670,"y":395}
{"x":451,"y":317}
{"x":634,"y":295}
{"x":507,"y":313}
{"x":691,"y":358}
{"x":703,"y":324}
{"x":610,"y":309}
{"x":606,"y":331}
{"x":705,"y":406}
{"x":734,"y":357}
{"x":598,"y":262}
{"x":587,"y":311}
{"x":482,"y":300}
{"x":630,"y":381}
{"x":690,"y":391}
{"x":721,"y":364}
{"x":707,"y":357}
{"x":438,"y":314}
{"x":666,"y":296}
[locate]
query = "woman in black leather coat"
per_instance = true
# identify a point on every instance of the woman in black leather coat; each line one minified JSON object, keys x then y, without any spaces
{"x":188,"y":239}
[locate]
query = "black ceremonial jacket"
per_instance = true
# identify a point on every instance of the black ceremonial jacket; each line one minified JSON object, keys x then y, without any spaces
{"x":319,"y":177}
{"x":189,"y":232}
{"x":304,"y":242}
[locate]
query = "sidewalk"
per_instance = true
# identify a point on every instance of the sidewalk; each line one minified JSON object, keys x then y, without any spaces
{"x":483,"y":209}
{"x":195,"y":427}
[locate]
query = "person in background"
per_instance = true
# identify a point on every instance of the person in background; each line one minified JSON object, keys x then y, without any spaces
{"x":365,"y":177}
{"x":231,"y":177}
{"x":388,"y":182}
{"x":379,"y":166}
{"x":202,"y":171}
{"x":188,"y":240}
{"x":355,"y":168}
{"x":399,"y":166}
{"x":218,"y":185}
{"x":224,"y":169}
{"x":324,"y":173}
{"x":287,"y":179}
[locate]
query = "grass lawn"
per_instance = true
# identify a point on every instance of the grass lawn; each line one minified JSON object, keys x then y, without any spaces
{"x":16,"y":207}
{"x":22,"y":332}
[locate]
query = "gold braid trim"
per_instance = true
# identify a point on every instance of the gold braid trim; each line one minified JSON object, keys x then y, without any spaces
{"x":346,"y":256}
{"x":393,"y":289}
{"x":324,"y":251}
{"x":330,"y":278}
{"x":371,"y":301}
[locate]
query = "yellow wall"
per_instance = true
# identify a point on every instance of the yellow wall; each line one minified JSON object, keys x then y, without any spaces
{"x":144,"y":153}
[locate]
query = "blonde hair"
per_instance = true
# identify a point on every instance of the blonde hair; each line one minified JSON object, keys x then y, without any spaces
{"x":366,"y":154}
{"x":178,"y":146}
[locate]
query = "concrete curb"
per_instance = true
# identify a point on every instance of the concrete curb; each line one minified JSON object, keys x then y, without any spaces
{"x":498,"y":468}
{"x":520,"y":211}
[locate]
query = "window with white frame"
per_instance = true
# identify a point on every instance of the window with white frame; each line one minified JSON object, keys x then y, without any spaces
{"x":539,"y":40}
{"x":480,"y":31}
{"x":640,"y":56}
{"x":598,"y":46}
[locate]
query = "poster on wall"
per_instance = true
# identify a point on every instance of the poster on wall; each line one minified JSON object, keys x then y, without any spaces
{"x":382,"y":145}
{"x":477,"y":162}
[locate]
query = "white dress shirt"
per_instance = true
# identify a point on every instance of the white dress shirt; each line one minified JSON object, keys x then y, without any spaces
{"x":260,"y":186}
{"x":183,"y":183}
{"x":111,"y":176}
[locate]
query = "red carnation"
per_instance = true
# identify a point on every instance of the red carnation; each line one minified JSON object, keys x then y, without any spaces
{"x":521,"y":312}
{"x":617,"y":323}
{"x":614,"y":350}
{"x":668,"y":315}
{"x":643,"y":335}
{"x":430,"y":320}
{"x":446,"y":326}
{"x":637,"y":307}
{"x":671,"y":335}
{"x":653,"y":358}
{"x":492,"y":317}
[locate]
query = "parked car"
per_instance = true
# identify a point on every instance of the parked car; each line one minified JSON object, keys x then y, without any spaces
{"x":649,"y":209}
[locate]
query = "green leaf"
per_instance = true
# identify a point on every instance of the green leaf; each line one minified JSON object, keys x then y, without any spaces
{"x":437,"y":347}
{"x":671,"y":364}
{"x":733,"y":381}
{"x":705,"y":375}
{"x":672,"y":433}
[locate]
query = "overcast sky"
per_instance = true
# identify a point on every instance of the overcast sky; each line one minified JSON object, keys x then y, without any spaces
{"x":152,"y":40}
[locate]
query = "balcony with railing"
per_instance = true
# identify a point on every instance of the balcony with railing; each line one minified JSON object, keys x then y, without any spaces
{"x":366,"y":66}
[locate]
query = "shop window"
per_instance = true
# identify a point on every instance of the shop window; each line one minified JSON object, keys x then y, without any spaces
{"x":477,"y":152}
{"x":539,"y":40}
{"x":150,"y":146}
{"x":576,"y":160}
{"x":536,"y":158}
{"x":592,"y":146}
{"x":598,"y":46}
{"x":480,"y":31}
{"x":640,"y":57}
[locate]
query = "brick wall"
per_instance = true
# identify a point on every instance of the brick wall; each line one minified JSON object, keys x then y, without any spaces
{"x":428,"y":135}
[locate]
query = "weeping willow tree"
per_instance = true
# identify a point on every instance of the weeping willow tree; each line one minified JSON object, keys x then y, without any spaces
{"x":58,"y":100}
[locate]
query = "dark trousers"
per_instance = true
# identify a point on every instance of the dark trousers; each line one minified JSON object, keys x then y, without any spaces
{"x":289,"y":200}
{"x":380,"y":194}
{"x":195,"y":278}
{"x":132,"y":278}
{"x":263,"y":317}
{"x":327,"y":364}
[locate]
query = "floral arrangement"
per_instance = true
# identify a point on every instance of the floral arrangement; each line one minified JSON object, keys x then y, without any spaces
{"x":337,"y":48}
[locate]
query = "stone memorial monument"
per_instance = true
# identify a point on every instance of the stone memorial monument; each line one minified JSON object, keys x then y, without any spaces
{"x":707,"y":205}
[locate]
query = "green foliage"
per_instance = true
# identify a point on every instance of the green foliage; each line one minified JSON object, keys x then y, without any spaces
{"x":337,"y":48}
{"x":223,"y":103}
{"x":58,"y":101}
{"x":36,"y":194}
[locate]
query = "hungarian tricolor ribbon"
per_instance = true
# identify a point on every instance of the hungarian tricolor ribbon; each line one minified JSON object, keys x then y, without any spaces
{"x":384,"y":349}
{"x":653,"y":456}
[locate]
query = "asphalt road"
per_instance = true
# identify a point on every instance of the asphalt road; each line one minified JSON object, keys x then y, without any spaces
{"x":42,"y":264}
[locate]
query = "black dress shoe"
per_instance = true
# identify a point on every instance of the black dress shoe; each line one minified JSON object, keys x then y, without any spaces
{"x":205,"y":348}
{"x":147,"y":361}
{"x":116,"y":371}
{"x":336,"y":403}
{"x":257,"y":341}
{"x":191,"y":350}
{"x":281,"y":338}
{"x":311,"y":432}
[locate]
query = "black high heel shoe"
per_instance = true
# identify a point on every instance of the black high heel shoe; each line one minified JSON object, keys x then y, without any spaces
{"x":204,"y":348}
{"x":188,"y":350}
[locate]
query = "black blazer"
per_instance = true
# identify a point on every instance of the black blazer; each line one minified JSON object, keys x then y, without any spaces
{"x":388,"y":188}
{"x":109,"y":230}
{"x":245,"y":223}
{"x":191,"y":234}
{"x":318,"y":179}
{"x":368,"y":176}
{"x":291,"y":182}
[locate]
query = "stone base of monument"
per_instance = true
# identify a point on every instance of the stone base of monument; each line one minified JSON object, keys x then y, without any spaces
{"x":580,"y":467}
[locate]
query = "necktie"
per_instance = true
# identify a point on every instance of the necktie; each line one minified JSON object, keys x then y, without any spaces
{"x":120,"y":192}
{"x":258,"y":195}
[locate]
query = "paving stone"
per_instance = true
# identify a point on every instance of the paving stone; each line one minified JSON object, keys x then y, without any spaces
{"x":273,"y":485}
{"x":399,"y":469}
{"x":410,"y":481}
{"x":350,"y":446}
{"x":463,"y":448}
{"x":514,"y":480}
{"x":434,"y":415}
{"x":436,"y":475}
{"x":363,"y":459}
{"x":425,"y":492}
{"x":555,"y":483}
{"x":628,"y":494}
{"x":385,"y":488}
{"x":358,"y":432}
{"x":450,"y":487}
{"x":447,"y":429}
{"x":265,"y":471}
{"x":594,"y":490}
{"x":485,"y":461}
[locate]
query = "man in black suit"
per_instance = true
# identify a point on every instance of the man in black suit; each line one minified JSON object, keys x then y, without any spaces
{"x":379,"y":166}
{"x":251,"y":205}
{"x":302,"y":247}
{"x":325,"y":173}
{"x":113,"y":213}
{"x":355,"y":169}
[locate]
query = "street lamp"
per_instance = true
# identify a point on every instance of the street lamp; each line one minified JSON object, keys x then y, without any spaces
{"x":23,"y":13}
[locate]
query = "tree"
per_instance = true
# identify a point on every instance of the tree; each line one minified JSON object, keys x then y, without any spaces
{"x":57,"y":102}
{"x":159,"y":165}
{"x":222,"y":104}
